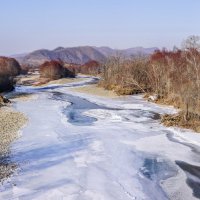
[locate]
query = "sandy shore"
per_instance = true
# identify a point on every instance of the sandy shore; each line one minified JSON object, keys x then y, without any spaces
{"x":95,"y":90}
{"x":23,"y":97}
{"x":28,"y":79}
{"x":36,"y":80}
{"x":64,"y":81}
{"x":10,"y":123}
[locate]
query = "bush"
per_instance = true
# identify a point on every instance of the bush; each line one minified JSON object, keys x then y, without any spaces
{"x":91,"y":67}
{"x":125,"y":77}
{"x":9,"y":68}
{"x":54,"y":70}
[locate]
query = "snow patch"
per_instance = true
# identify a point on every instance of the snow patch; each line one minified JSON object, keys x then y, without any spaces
{"x":105,"y":115}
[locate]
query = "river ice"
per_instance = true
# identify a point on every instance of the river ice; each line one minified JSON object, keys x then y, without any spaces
{"x":82,"y":147}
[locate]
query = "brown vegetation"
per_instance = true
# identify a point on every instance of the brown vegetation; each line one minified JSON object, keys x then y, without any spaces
{"x":125,"y":77}
{"x":174,"y":76}
{"x":91,"y":67}
{"x":9,"y":68}
{"x":54,"y":70}
{"x":179,"y":120}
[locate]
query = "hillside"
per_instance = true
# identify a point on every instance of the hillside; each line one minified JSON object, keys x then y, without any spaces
{"x":79,"y":55}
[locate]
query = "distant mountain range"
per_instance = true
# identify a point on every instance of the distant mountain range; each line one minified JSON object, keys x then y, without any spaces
{"x":79,"y":55}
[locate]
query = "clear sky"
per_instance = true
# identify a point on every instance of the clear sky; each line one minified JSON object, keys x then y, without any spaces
{"x":27,"y":25}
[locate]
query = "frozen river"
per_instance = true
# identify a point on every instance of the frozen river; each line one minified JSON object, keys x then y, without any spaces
{"x":83,"y":147}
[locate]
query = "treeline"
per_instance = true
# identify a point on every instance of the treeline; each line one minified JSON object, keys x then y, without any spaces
{"x":57,"y":69}
{"x":9,"y":69}
{"x":91,"y":67}
{"x":173,"y":76}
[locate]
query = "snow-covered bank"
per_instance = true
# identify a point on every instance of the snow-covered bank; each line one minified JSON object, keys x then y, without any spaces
{"x":78,"y":146}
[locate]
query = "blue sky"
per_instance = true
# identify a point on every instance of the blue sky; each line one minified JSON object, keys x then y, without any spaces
{"x":26,"y":25}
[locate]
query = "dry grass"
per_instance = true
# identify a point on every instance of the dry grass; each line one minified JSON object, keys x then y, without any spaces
{"x":24,"y":97}
{"x":95,"y":90}
{"x":65,"y":81}
{"x":28,"y":79}
{"x":179,"y":121}
{"x":36,"y":80}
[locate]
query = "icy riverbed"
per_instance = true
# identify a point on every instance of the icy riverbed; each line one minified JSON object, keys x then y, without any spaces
{"x":82,"y":147}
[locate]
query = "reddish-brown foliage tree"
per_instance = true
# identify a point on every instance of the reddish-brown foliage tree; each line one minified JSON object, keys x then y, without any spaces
{"x":54,"y":70}
{"x":91,"y":67}
{"x":9,"y":68}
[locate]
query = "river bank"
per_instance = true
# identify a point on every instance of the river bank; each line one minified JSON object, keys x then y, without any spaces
{"x":11,"y":121}
{"x":95,"y":90}
{"x":34,"y":79}
{"x":170,"y":120}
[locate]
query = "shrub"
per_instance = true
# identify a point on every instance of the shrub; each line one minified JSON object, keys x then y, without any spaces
{"x":9,"y":68}
{"x":91,"y":67}
{"x":54,"y":70}
{"x":125,"y":76}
